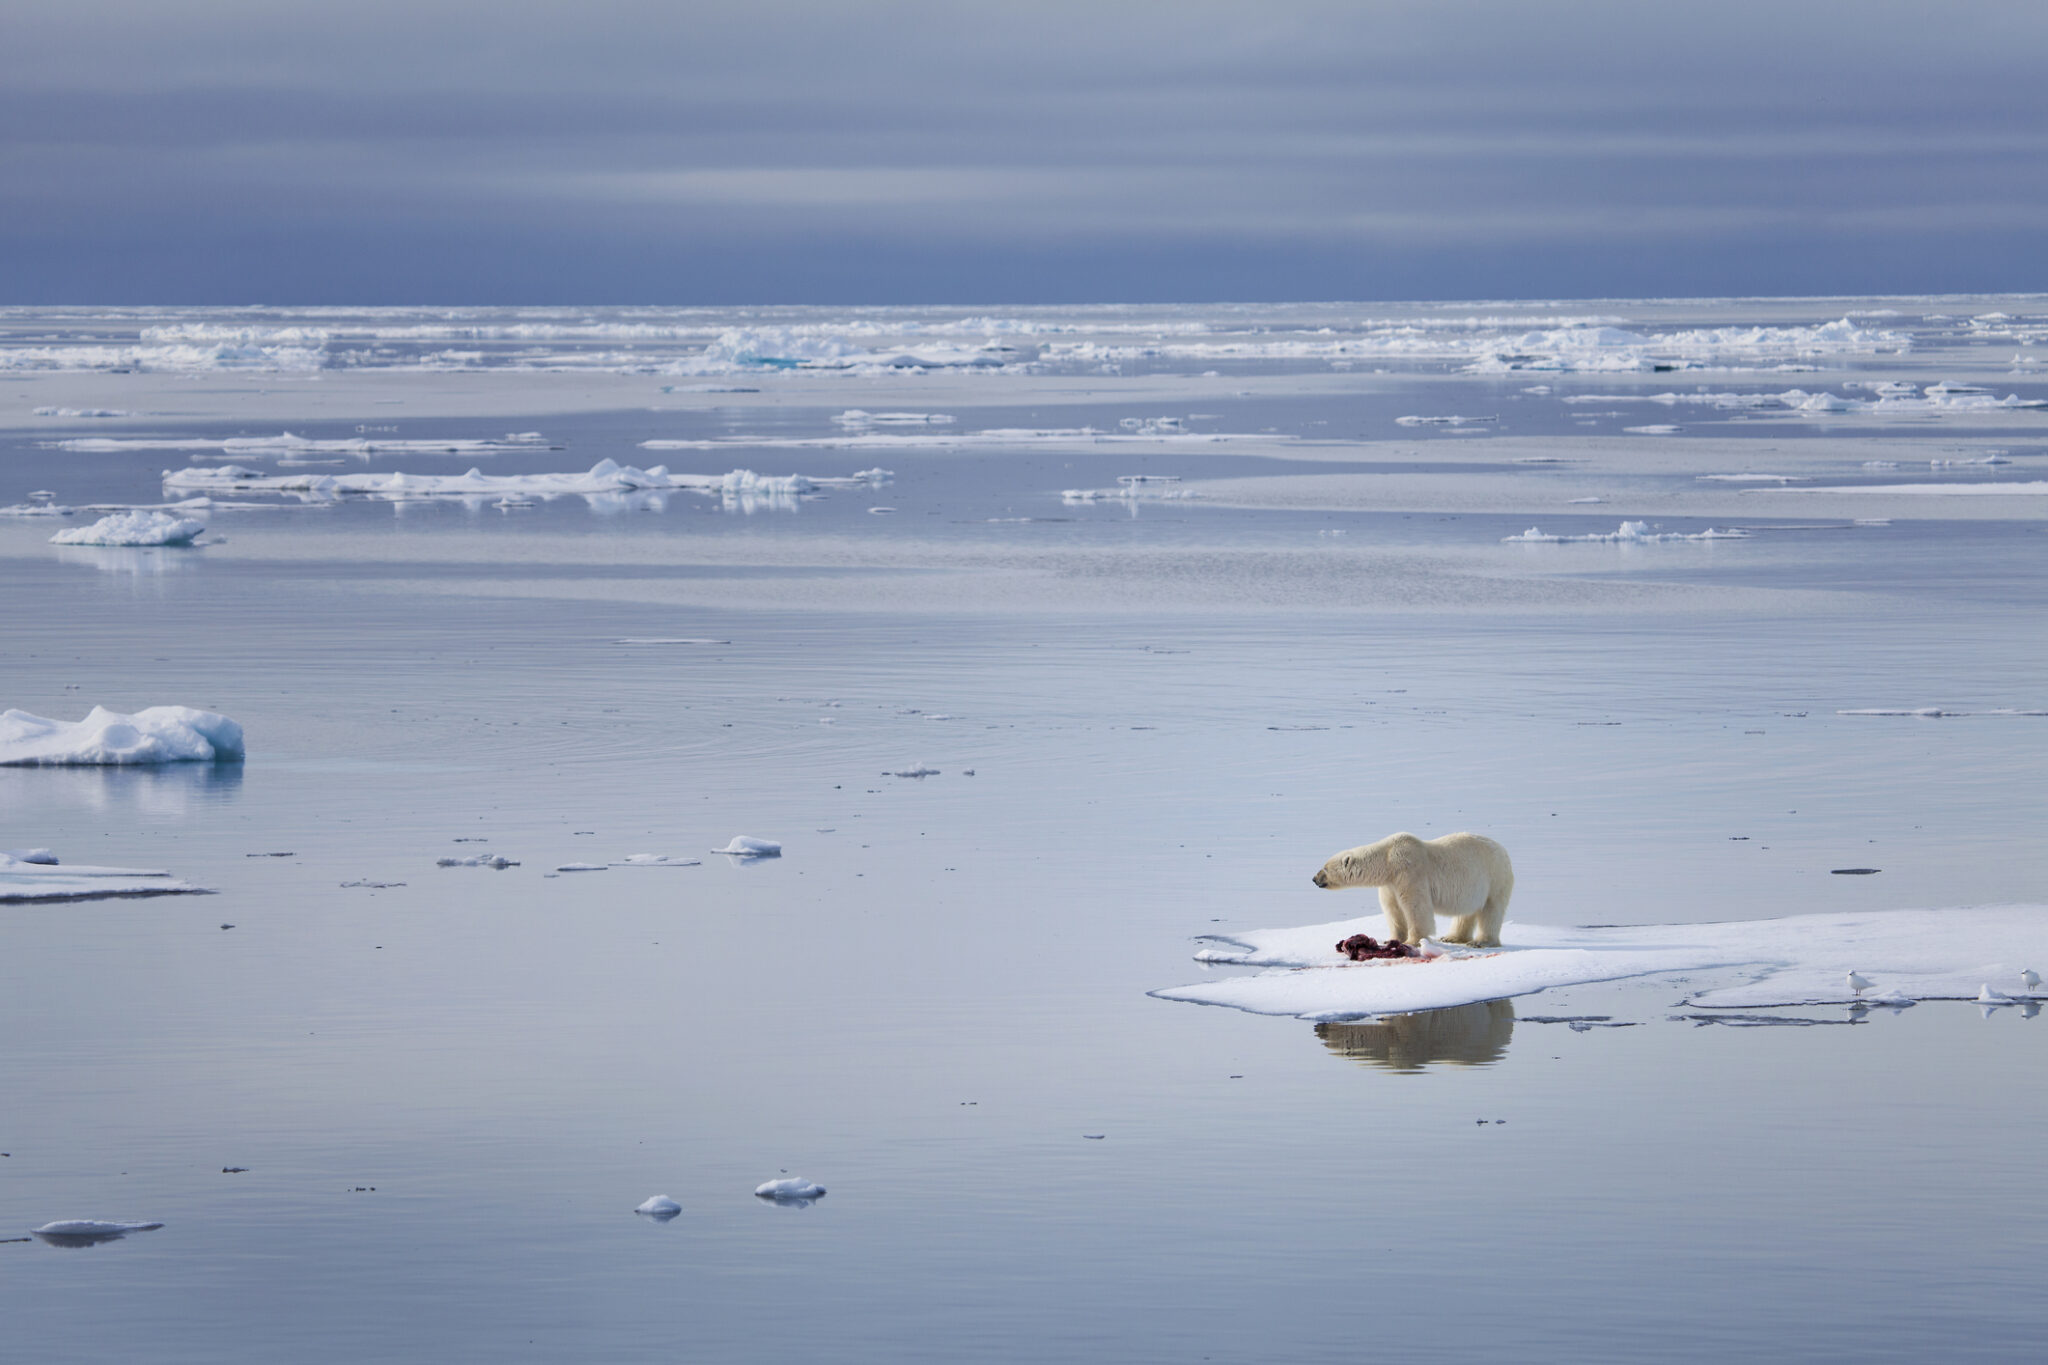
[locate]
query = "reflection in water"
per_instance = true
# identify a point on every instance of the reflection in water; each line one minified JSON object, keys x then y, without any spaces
{"x":1464,"y":1035}
{"x":159,"y":790}
{"x":135,"y":559}
{"x":87,"y":1232}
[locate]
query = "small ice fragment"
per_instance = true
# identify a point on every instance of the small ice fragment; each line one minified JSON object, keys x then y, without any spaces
{"x":583,"y":867}
{"x":660,"y":1206}
{"x":30,"y":855}
{"x":745,"y":846}
{"x":1587,"y":500}
{"x":657,"y":860}
{"x":794,"y":1187}
{"x":1854,"y":871}
{"x":920,"y":771}
{"x":1987,"y":996}
{"x":880,"y":511}
{"x":497,"y":860}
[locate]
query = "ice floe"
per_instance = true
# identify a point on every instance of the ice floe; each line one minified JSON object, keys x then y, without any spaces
{"x":656,"y":860}
{"x":35,"y":874}
{"x":2034,"y":489}
{"x":606,"y":476}
{"x":37,"y":509}
{"x":746,"y":846}
{"x":856,"y":417}
{"x":1905,"y":955}
{"x":788,"y":1190}
{"x":994,"y":436}
{"x":79,"y":1232}
{"x":660,"y":1207}
{"x":1892,"y":400}
{"x":134,"y":528}
{"x":1934,"y":712}
{"x":495,"y":860}
{"x":81,"y":412}
{"x":159,"y":734}
{"x":286,"y":444}
{"x":1444,"y":421}
{"x":1629,"y":533}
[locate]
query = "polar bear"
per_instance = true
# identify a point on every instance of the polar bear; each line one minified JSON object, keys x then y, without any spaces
{"x":1467,"y":876}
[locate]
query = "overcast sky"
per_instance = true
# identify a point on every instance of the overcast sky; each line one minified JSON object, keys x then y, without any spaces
{"x":863,"y":151}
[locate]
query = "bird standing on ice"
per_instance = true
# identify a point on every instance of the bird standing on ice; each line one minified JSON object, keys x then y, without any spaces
{"x":2031,"y":979}
{"x":1858,"y":982}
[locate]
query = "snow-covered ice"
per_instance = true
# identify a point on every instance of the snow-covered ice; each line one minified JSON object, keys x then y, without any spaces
{"x":35,"y":874}
{"x":91,"y":1229}
{"x":606,"y":476}
{"x":496,"y":860}
{"x":1935,"y":712}
{"x":134,"y":528}
{"x":584,"y":867}
{"x":745,"y":846}
{"x":661,"y":1207}
{"x":159,"y":734}
{"x":794,"y":1187}
{"x":287,"y":444}
{"x":656,"y":860}
{"x":1906,"y":955}
{"x":2032,"y":489}
{"x":1629,"y":533}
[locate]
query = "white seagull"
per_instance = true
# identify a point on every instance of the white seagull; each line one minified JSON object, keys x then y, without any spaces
{"x":1859,"y":983}
{"x":2030,"y":978}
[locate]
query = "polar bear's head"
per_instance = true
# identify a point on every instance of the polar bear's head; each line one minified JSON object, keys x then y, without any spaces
{"x":1367,"y":865}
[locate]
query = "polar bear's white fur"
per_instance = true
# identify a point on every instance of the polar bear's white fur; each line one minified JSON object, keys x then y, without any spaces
{"x":1466,"y":876}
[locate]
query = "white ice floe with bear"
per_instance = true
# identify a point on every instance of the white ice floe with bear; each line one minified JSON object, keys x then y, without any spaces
{"x":1903,"y":955}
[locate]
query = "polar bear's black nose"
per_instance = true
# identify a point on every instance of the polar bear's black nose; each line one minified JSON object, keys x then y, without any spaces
{"x":1321,"y":879}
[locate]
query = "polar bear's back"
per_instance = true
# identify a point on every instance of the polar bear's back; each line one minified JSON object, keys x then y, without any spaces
{"x":1465,"y":872}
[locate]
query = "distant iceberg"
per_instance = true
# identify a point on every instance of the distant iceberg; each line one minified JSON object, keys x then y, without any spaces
{"x":1628,"y":533}
{"x":160,"y":734}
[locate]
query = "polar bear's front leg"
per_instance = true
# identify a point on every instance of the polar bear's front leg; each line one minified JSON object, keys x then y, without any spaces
{"x":1409,"y":919}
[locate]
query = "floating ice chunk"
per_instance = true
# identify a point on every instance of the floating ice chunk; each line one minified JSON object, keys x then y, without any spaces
{"x":1443,"y":421}
{"x":745,"y":846}
{"x":39,"y":877}
{"x":1655,"y":430}
{"x":496,"y":860}
{"x":1137,"y":489}
{"x":1988,"y":996}
{"x":606,"y":476}
{"x":1935,"y":712}
{"x":794,"y":1187}
{"x":1576,"y":501}
{"x":36,"y":509}
{"x":2033,"y":489}
{"x":1802,"y":960}
{"x":919,"y":771}
{"x":160,"y":734}
{"x":855,"y":417}
{"x":80,"y":412}
{"x":657,"y":860}
{"x":584,"y":867}
{"x":668,"y":640}
{"x":1629,"y":533}
{"x":660,"y":1206}
{"x":86,"y":1231}
{"x":134,"y":528}
{"x":1751,"y":478}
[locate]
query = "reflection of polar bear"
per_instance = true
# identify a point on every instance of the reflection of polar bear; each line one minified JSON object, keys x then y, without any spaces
{"x":1463,"y":1035}
{"x":1467,"y":876}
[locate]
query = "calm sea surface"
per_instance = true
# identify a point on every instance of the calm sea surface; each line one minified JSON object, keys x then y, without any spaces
{"x":1141,"y":718}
